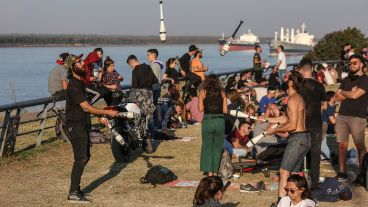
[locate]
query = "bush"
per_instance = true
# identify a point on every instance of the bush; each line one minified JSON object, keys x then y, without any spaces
{"x":331,"y":45}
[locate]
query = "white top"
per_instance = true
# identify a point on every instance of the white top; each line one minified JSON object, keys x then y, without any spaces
{"x":282,"y":57}
{"x":286,"y":202}
{"x":328,"y":77}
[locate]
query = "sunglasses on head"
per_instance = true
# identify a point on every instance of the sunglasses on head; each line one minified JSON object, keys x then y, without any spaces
{"x":292,"y":191}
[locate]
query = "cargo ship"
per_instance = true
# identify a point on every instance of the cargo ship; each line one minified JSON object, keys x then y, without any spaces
{"x":301,"y":42}
{"x":245,"y":41}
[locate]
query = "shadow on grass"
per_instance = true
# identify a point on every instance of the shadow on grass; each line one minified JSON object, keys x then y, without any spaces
{"x":117,"y":167}
{"x":230,"y":204}
{"x":33,"y":146}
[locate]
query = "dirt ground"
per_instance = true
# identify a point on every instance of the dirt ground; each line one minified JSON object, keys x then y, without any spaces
{"x":42,"y":178}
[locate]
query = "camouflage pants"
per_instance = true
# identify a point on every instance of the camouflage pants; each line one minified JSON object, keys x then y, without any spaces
{"x":144,"y":98}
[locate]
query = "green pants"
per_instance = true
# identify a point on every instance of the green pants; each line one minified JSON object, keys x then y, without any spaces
{"x":213,"y":130}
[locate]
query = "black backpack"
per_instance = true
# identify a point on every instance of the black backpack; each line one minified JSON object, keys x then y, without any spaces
{"x":158,"y":175}
{"x":362,"y":178}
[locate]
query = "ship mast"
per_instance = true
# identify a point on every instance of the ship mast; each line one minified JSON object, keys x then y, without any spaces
{"x":303,"y":27}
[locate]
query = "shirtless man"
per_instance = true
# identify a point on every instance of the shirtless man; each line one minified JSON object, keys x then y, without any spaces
{"x":294,"y":122}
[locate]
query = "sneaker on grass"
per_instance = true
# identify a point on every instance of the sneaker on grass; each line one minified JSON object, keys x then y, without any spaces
{"x":248,"y":188}
{"x":342,"y":177}
{"x":76,"y":197}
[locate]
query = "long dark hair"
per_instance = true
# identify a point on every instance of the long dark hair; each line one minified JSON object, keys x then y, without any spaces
{"x":169,"y":61}
{"x":300,"y":182}
{"x":212,"y":85}
{"x":231,"y":82}
{"x":107,"y":63}
{"x":207,"y":189}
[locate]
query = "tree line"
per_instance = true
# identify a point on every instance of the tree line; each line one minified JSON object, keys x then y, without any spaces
{"x":331,"y":45}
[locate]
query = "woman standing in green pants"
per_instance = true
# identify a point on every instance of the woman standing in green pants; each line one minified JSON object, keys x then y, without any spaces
{"x":212,"y":100}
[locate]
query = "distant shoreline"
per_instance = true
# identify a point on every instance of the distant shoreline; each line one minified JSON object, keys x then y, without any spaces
{"x":100,"y":45}
{"x":78,"y":40}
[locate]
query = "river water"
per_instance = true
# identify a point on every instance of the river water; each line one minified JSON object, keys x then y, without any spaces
{"x":24,"y":71}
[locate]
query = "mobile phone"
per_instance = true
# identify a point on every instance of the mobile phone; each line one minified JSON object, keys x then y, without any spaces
{"x":226,"y":186}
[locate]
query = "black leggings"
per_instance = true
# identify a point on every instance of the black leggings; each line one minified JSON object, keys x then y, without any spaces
{"x":78,"y":135}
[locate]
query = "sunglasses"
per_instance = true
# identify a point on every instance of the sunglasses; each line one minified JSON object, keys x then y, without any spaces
{"x":353,"y":63}
{"x":292,"y":191}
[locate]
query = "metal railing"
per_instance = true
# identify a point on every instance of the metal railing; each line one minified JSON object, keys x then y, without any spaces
{"x":14,"y":110}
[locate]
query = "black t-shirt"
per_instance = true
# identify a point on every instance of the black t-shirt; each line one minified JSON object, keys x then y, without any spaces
{"x":76,"y":94}
{"x":355,"y":107}
{"x":313,"y":94}
{"x":273,"y":80}
{"x":241,"y":83}
{"x":257,"y":66}
{"x":143,"y":77}
{"x":185,"y":62}
{"x":172,"y":73}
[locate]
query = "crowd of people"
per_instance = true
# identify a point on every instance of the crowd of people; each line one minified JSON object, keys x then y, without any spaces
{"x":291,"y":107}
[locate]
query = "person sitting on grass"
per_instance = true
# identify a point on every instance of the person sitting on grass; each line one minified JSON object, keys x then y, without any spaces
{"x":270,"y":147}
{"x":298,"y":193}
{"x":209,"y":192}
{"x":192,"y":106}
{"x":177,"y":118}
{"x":245,"y":81}
{"x":250,"y":109}
{"x":235,"y":143}
{"x":267,"y":99}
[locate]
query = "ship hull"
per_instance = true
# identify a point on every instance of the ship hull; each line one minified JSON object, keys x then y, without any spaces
{"x":238,"y":46}
{"x":290,"y":47}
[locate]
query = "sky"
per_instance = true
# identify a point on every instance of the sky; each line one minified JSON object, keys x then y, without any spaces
{"x":182,"y":17}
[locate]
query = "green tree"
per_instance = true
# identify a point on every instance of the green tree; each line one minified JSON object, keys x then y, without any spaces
{"x":331,"y":45}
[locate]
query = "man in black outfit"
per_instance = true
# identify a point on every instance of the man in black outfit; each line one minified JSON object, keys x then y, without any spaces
{"x":314,"y":96}
{"x":194,"y":80}
{"x":78,"y":122}
{"x":273,"y":80}
{"x":257,"y":64}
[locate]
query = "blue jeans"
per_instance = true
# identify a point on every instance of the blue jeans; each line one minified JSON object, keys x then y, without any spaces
{"x":237,"y":152}
{"x":166,"y":110}
{"x":281,"y":73}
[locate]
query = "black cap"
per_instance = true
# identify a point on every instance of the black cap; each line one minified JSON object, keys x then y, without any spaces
{"x":192,"y":48}
{"x":63,"y":56}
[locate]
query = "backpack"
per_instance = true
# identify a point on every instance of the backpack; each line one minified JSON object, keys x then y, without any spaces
{"x":226,"y":168}
{"x":158,"y":175}
{"x":363,"y":175}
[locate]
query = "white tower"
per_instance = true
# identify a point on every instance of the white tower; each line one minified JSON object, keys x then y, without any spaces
{"x":303,"y":27}
{"x":275,"y":36}
{"x":292,"y":37}
{"x":287,"y":36}
{"x":282,"y":34}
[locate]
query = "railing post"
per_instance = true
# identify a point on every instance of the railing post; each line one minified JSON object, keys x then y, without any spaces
{"x":42,"y":124}
{"x":3,"y":131}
